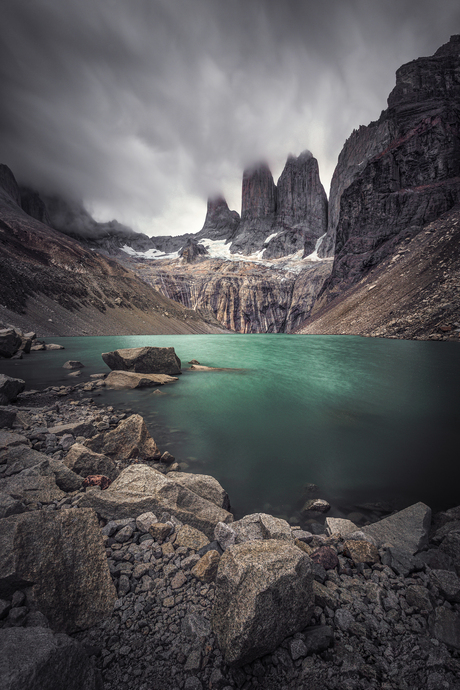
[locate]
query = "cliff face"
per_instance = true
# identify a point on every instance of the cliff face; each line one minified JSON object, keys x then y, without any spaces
{"x":409,"y":173}
{"x":51,"y":284}
{"x":243,"y":296}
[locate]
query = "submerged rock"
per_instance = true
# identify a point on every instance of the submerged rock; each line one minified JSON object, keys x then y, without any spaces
{"x":130,"y":379}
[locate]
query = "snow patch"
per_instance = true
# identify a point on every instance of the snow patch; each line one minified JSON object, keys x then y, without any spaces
{"x":314,"y":255}
{"x":270,"y":237}
{"x":150,"y":253}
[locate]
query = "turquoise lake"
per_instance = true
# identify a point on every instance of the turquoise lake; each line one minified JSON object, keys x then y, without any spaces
{"x":364,"y":419}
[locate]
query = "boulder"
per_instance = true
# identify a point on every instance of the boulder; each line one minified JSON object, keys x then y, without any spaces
{"x":74,"y":428}
{"x":361,"y":551}
{"x":9,"y":439}
{"x":21,"y":457}
{"x":64,"y":477}
{"x":32,"y":487}
{"x":206,"y":568}
{"x":7,"y":416}
{"x":264,"y":592}
{"x":191,"y":538}
{"x":10,"y":388}
{"x":144,"y":360}
{"x":9,"y":505}
{"x":10,"y":342}
{"x":448,"y":584}
{"x":84,"y":462}
{"x":445,"y":626}
{"x":406,"y":530}
{"x":36,"y":657}
{"x":26,"y":344}
{"x":141,"y":489}
{"x":129,"y":441}
{"x":60,"y":557}
{"x":316,"y":505}
{"x":73,"y":364}
{"x":261,"y":526}
{"x":204,"y":485}
{"x":129,"y":379}
{"x":54,"y":346}
{"x":340,"y":526}
{"x":325,"y":557}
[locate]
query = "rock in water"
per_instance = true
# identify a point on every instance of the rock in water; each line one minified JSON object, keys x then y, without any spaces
{"x":264,"y":592}
{"x":10,"y":342}
{"x":35,"y":658}
{"x":60,"y":557}
{"x":129,"y":379}
{"x":73,"y":364}
{"x":10,"y":388}
{"x":144,"y":360}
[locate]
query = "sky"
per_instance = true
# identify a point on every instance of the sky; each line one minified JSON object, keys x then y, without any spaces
{"x":144,"y":108}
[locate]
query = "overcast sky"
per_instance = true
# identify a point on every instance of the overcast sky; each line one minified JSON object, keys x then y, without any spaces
{"x":142,"y":108}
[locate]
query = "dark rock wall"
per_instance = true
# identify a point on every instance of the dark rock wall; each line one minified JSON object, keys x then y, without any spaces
{"x":301,"y":214}
{"x":410,"y":173}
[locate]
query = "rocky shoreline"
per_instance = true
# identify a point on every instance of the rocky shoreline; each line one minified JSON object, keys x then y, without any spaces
{"x":150,"y":583}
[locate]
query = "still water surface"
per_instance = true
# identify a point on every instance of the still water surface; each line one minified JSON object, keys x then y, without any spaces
{"x":364,"y":419}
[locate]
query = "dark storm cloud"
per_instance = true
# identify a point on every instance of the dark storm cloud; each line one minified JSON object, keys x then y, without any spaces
{"x":143,"y":107}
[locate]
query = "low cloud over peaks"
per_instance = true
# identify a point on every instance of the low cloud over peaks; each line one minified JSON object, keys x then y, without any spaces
{"x":144,"y":108}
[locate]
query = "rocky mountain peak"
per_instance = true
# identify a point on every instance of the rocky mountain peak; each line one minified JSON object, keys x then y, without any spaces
{"x":258,"y":193}
{"x":429,"y":78}
{"x":450,"y":48}
{"x":220,"y":221}
{"x":8,"y":184}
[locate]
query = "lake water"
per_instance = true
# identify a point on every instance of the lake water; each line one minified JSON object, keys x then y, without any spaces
{"x":364,"y":419}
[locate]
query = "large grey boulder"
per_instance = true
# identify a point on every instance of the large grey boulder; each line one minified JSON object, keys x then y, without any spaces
{"x":10,"y":342}
{"x":60,"y":558}
{"x":406,"y":530}
{"x":10,"y":388}
{"x":444,"y":625}
{"x":30,"y":486}
{"x":141,"y":489}
{"x":7,"y":416}
{"x":264,"y":592}
{"x":36,"y":658}
{"x":144,"y":360}
{"x":75,"y":428}
{"x":128,"y":442}
{"x":130,"y":380}
{"x":84,"y":462}
{"x":204,"y":485}
{"x":10,"y":505}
